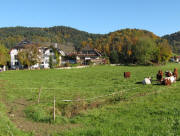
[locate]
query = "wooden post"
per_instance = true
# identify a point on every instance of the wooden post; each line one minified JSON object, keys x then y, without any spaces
{"x":54,"y":115}
{"x":39,"y":95}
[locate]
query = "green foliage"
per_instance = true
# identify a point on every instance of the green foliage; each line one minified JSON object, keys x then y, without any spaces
{"x":126,"y":43}
{"x":75,"y":65}
{"x":144,"y":51}
{"x":57,"y":55}
{"x":29,"y":55}
{"x":114,"y":58}
{"x":51,"y":64}
{"x":164,"y":51}
{"x":174,"y":41}
{"x":122,"y":41}
{"x":11,"y":36}
{"x":67,"y":64}
{"x":38,"y":113}
{"x":4,"y":55}
{"x":23,"y":58}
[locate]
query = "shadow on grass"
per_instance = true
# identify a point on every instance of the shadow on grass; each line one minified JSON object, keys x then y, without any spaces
{"x":151,"y":82}
{"x":178,"y":79}
{"x":156,"y":84}
{"x":139,"y":83}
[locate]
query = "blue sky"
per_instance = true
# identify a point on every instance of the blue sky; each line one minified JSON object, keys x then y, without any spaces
{"x":94,"y":16}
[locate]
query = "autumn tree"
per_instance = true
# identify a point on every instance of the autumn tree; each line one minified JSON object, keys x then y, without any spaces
{"x":4,"y":55}
{"x":23,"y":58}
{"x":29,"y":56}
{"x":164,"y":51}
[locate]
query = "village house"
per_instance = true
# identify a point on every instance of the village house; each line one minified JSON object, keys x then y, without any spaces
{"x":175,"y":59}
{"x":67,"y":54}
{"x":45,"y":52}
{"x":88,"y":55}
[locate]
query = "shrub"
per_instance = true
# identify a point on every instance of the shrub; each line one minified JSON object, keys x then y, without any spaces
{"x":67,"y":64}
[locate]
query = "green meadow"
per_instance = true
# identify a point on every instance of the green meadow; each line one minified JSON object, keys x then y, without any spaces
{"x":93,"y":101}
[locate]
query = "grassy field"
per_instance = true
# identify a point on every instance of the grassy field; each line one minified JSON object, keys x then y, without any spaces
{"x":103,"y":102}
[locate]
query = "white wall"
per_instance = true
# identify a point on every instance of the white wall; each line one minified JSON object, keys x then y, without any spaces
{"x":44,"y":58}
{"x":13,"y":53}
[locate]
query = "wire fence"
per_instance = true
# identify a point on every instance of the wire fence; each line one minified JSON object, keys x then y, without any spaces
{"x":123,"y":90}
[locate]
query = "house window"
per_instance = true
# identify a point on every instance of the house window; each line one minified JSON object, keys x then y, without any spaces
{"x":46,"y":62}
{"x":15,"y":56}
{"x":16,"y":63}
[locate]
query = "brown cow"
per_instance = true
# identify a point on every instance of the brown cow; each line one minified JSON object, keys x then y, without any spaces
{"x":159,"y":75}
{"x":127,"y":74}
{"x":166,"y":81}
{"x":175,"y":73}
{"x":168,"y":73}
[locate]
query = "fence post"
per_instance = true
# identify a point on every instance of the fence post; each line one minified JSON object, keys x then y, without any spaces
{"x":54,"y":115}
{"x":39,"y":95}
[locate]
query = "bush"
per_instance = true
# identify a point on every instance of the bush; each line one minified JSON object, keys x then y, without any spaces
{"x":75,"y":65}
{"x":67,"y":64}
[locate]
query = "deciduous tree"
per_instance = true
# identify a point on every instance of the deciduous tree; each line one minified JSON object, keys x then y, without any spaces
{"x":4,"y":55}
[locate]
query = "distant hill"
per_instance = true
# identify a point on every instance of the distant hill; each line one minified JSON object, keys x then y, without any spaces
{"x":10,"y":36}
{"x":122,"y":46}
{"x":174,"y":41}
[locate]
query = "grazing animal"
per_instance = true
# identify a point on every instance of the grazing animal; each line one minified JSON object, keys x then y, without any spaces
{"x":173,"y":79}
{"x":166,"y":81}
{"x":168,"y":73}
{"x":147,"y":81}
{"x":175,"y":73}
{"x":159,"y":75}
{"x":127,"y":74}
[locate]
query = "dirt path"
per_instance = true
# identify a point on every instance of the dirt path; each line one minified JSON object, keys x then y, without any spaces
{"x":17,"y":116}
{"x":15,"y":111}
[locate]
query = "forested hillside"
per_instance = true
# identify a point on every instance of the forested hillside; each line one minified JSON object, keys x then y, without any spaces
{"x":174,"y":41}
{"x":132,"y":46}
{"x":123,"y":46}
{"x":10,"y":36}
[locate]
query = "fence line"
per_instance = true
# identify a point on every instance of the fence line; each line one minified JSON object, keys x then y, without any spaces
{"x":86,"y":99}
{"x":61,"y":88}
{"x":111,"y":94}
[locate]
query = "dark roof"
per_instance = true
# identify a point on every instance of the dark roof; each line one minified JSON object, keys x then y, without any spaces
{"x":88,"y":51}
{"x":67,"y":49}
{"x":22,"y":44}
{"x":87,"y":48}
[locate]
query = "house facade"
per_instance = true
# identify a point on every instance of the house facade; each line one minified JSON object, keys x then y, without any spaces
{"x":45,"y":54}
{"x":88,"y":55}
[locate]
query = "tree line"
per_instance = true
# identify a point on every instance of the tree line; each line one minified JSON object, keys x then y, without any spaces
{"x":132,"y":46}
{"x":123,"y":46}
{"x":174,"y":41}
{"x":10,"y":36}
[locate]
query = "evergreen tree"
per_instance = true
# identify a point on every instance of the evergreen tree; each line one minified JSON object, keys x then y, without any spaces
{"x":51,"y":61}
{"x":114,"y":58}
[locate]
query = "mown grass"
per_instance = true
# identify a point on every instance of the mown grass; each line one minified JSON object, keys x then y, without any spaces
{"x":139,"y":110}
